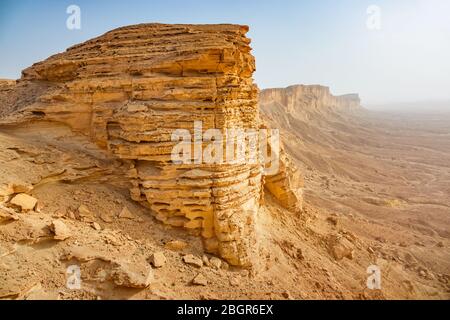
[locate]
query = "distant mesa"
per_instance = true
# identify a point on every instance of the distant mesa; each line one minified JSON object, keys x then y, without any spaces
{"x":307,"y":99}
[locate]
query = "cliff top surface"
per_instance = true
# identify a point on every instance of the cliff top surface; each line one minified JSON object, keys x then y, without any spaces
{"x":143,"y":44}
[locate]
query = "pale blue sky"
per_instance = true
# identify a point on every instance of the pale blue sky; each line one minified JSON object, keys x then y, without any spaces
{"x":312,"y":42}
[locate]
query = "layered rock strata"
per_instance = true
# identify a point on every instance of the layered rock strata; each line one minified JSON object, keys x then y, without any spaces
{"x":306,"y":101}
{"x":287,"y":184}
{"x":6,"y":85}
{"x":132,"y":88}
{"x":300,"y":102}
{"x":6,"y":88}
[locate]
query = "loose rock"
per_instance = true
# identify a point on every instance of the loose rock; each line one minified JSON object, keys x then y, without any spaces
{"x":200,"y":280}
{"x":340,"y":248}
{"x":96,"y":226}
{"x":106,"y":218}
{"x":84,"y":211}
{"x":21,"y":187}
{"x":176,"y":245}
{"x":7,"y":214}
{"x":216,"y":263}
{"x":193,"y":260}
{"x":158,"y":259}
{"x":126,"y":214}
{"x":61,"y":231}
{"x":24,"y":201}
{"x":225,"y":265}
{"x":132,"y":275}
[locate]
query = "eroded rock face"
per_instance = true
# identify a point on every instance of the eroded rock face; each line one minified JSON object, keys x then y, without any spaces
{"x":130,"y":89}
{"x":281,"y":106}
{"x":287,"y":184}
{"x":6,"y":84}
{"x":303,"y":101}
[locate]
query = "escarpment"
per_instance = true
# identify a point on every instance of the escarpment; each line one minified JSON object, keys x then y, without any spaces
{"x":133,"y":88}
{"x":298,"y":111}
{"x":306,"y":102}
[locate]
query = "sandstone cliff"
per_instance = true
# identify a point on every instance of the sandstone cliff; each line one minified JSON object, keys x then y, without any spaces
{"x":299,"y":110}
{"x":6,"y":84}
{"x":6,"y":87}
{"x":129,"y":89}
{"x":306,"y":101}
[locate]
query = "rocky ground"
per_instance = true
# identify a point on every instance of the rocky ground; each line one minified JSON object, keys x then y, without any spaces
{"x":84,"y":216}
{"x":384,"y":177}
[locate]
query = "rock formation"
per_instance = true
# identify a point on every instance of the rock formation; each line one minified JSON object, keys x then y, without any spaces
{"x":282,"y":106}
{"x":6,"y":85}
{"x":287,"y":184}
{"x":306,"y":101}
{"x":130,"y":89}
{"x":6,"y":88}
{"x":64,"y":201}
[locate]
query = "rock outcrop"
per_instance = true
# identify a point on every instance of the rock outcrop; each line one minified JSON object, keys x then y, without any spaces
{"x":6,"y":85}
{"x":286,"y":186}
{"x":306,"y":101}
{"x":130,"y":89}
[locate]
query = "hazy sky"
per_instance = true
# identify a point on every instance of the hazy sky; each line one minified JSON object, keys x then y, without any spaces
{"x":312,"y":42}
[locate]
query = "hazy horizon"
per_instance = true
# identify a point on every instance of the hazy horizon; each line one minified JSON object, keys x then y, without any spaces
{"x":437,"y":106}
{"x":401,"y":59}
